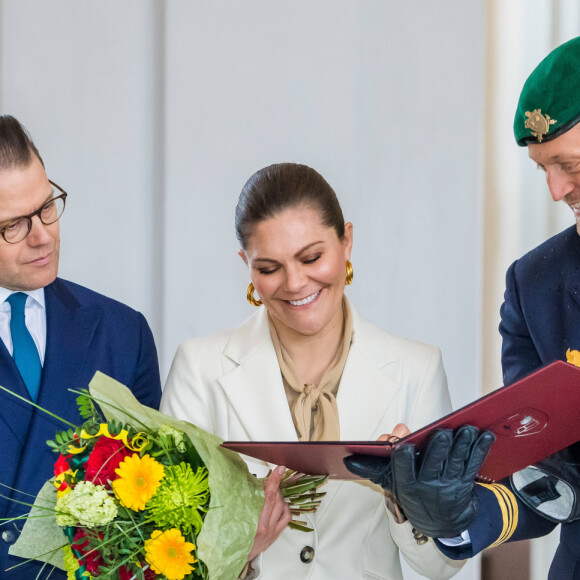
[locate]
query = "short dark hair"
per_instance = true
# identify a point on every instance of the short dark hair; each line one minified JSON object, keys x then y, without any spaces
{"x":16,"y":145}
{"x":283,"y":186}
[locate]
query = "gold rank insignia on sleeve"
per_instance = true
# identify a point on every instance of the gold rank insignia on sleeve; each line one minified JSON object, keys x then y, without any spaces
{"x":509,"y":511}
{"x":538,"y":124}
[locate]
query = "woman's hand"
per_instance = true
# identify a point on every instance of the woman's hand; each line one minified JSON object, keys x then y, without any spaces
{"x":401,"y":430}
{"x":275,"y":514}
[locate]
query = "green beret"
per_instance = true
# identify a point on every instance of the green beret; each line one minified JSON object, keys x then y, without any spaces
{"x":550,"y":100}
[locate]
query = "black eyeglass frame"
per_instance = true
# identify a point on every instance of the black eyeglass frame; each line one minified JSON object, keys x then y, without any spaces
{"x":63,"y":195}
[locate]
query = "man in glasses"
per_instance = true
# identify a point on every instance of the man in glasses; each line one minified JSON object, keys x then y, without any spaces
{"x":54,"y":335}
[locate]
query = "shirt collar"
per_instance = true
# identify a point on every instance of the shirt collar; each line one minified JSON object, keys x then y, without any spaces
{"x":37,"y":295}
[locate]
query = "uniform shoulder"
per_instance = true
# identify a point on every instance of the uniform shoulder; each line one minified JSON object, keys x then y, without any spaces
{"x":553,"y":252}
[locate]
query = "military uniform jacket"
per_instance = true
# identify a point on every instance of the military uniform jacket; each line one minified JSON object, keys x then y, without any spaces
{"x":540,"y":320}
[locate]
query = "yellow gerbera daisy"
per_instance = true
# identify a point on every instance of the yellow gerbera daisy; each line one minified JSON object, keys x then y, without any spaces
{"x":168,"y":553}
{"x":138,"y":481}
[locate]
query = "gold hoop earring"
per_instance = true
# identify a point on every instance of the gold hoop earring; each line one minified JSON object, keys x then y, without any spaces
{"x":250,"y":296}
{"x":349,"y":274}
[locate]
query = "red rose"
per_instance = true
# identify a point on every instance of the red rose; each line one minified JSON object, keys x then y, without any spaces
{"x":89,"y":557}
{"x":104,"y":459}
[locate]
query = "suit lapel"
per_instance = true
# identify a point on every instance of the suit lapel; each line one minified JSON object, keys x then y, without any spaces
{"x":364,"y":373}
{"x":15,"y":414}
{"x":254,"y":387}
{"x":70,"y":329}
{"x":361,"y":414}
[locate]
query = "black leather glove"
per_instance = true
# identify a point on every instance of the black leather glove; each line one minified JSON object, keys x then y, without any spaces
{"x":435,"y":488}
{"x":377,"y":469}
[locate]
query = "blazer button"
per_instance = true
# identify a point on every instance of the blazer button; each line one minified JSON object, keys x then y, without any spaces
{"x":8,"y":536}
{"x":307,"y":554}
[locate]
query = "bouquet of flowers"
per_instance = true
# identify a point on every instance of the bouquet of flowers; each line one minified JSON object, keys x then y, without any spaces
{"x":140,"y":495}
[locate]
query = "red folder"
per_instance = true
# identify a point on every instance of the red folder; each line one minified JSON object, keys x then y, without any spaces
{"x":533,"y":418}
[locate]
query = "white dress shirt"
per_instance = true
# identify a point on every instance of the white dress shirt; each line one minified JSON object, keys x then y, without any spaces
{"x":461,"y":540}
{"x":34,"y":315}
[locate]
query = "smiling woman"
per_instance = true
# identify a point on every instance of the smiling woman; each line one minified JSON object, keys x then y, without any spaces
{"x":298,"y":268}
{"x":306,"y":367}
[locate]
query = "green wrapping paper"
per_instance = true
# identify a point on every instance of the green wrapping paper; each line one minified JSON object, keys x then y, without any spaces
{"x":41,"y":538}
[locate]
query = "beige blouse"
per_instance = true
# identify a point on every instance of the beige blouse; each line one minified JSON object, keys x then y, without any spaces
{"x":313,"y":407}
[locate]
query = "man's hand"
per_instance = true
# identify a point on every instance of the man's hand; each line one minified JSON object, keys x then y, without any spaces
{"x":377,"y":469}
{"x":435,"y":489}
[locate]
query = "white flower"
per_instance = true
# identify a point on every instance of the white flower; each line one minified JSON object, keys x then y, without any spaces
{"x":87,"y":505}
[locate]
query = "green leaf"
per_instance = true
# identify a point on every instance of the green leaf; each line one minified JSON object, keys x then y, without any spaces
{"x":87,"y":408}
{"x":296,"y":526}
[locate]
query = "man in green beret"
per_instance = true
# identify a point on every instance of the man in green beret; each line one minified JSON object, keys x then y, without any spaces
{"x":540,"y":323}
{"x":540,"y":320}
{"x":540,"y":316}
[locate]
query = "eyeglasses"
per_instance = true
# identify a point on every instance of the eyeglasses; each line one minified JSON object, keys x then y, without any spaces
{"x":49,"y":212}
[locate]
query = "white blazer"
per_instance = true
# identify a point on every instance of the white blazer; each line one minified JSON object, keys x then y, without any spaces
{"x":230,"y":384}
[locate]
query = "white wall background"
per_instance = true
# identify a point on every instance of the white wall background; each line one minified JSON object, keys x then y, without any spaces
{"x":153,"y":114}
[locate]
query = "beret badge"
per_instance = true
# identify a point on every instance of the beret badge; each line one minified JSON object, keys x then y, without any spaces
{"x":538,"y":124}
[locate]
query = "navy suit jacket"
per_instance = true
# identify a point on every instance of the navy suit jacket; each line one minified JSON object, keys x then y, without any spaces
{"x":540,"y":320}
{"x":86,"y":332}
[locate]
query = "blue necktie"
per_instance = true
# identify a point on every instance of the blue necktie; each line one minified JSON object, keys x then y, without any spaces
{"x":24,"y":350}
